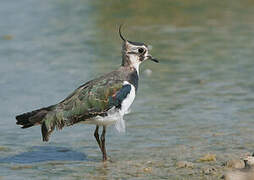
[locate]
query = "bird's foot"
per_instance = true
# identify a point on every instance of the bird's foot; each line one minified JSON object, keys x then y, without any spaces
{"x":107,"y":159}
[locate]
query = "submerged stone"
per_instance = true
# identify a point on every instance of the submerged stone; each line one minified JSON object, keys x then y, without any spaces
{"x":209,"y":170}
{"x":208,"y":157}
{"x":3,"y":148}
{"x":235,"y":163}
{"x":184,"y":164}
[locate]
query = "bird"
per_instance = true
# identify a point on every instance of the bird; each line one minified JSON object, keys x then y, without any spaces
{"x":102,"y":101}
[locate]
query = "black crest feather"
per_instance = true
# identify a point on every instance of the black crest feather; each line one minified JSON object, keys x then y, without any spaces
{"x":120,"y":33}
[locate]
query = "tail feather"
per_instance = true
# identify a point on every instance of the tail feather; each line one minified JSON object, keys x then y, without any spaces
{"x":32,"y":118}
{"x":47,"y":117}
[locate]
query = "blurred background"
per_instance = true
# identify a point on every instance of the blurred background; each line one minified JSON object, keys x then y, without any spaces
{"x":197,"y":101}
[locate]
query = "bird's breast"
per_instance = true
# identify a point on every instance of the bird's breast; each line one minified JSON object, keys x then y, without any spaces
{"x":126,"y":103}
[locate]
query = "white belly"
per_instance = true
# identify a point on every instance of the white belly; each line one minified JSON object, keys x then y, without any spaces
{"x":115,"y":116}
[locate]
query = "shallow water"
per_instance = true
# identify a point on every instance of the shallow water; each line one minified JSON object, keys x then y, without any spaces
{"x":198,"y":100}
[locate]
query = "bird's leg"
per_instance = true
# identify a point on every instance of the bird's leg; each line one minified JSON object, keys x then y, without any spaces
{"x":103,"y":147}
{"x":96,"y":135}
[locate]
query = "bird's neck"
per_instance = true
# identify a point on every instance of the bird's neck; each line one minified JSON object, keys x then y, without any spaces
{"x":130,"y":74}
{"x":131,"y":61}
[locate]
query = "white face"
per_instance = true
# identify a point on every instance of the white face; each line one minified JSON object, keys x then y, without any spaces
{"x":137,"y":53}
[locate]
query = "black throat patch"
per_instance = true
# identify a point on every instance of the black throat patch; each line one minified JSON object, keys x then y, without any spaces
{"x":133,"y":79}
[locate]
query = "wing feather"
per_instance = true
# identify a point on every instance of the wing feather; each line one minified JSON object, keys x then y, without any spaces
{"x":92,"y":100}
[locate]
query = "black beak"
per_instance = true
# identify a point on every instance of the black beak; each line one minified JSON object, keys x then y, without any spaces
{"x":152,"y":59}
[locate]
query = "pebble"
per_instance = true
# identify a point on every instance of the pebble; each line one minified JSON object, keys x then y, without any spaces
{"x":208,"y":157}
{"x":249,"y":160}
{"x":209,"y":170}
{"x":239,"y":175}
{"x":234,"y":176}
{"x":184,"y":164}
{"x":6,"y":149}
{"x":147,"y":170}
{"x":235,"y":163}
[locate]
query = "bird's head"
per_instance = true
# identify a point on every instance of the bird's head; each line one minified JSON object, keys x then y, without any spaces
{"x":134,"y":53}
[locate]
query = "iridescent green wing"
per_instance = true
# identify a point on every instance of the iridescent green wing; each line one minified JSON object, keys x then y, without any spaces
{"x":91,"y":99}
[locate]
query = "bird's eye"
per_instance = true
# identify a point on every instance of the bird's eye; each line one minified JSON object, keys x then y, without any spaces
{"x":140,"y":50}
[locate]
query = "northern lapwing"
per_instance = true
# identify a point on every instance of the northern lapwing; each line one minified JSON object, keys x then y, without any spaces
{"x":102,"y":101}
